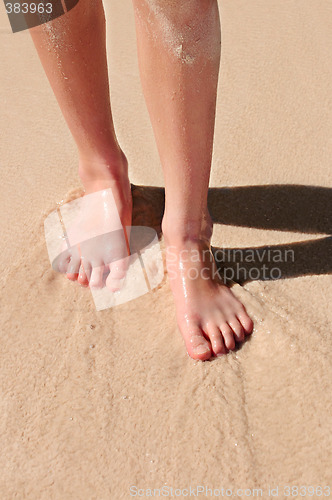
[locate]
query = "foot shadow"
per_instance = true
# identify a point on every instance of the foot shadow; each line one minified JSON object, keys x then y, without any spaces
{"x":282,"y":207}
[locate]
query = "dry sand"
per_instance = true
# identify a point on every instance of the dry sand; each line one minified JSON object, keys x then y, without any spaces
{"x":94,"y":402}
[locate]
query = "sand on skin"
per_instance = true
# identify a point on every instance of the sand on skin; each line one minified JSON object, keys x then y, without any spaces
{"x":92,"y":403}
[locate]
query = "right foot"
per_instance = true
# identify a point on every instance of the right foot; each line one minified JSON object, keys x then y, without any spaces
{"x":210,"y":318}
{"x":101,"y":226}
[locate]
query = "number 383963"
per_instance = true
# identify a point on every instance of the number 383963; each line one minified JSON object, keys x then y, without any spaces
{"x":29,"y":8}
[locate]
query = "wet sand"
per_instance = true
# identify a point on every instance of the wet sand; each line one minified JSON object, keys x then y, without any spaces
{"x":95,"y":402}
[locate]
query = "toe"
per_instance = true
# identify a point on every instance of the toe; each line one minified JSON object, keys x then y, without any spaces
{"x":197,"y":345}
{"x":238,"y":331}
{"x":228,"y":336}
{"x":96,"y":280}
{"x":83,"y":275}
{"x":118,"y":270}
{"x":246,"y":321}
{"x":63,"y":263}
{"x":114,"y":285}
{"x":216,"y":339}
{"x":73,"y":269}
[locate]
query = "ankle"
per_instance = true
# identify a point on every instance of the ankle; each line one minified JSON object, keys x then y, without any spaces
{"x":95,"y":170}
{"x":177,"y":230}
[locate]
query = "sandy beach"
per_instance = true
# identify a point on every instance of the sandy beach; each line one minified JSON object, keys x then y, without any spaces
{"x":95,"y":405}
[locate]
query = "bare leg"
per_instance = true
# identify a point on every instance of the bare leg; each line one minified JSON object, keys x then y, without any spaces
{"x":179,"y":55}
{"x":72,"y":50}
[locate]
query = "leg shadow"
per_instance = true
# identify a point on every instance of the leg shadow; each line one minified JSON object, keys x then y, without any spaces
{"x":283,"y":207}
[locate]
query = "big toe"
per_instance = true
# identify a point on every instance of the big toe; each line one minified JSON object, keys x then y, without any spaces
{"x":197,"y":345}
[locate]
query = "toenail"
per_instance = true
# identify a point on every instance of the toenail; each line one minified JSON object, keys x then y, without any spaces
{"x":201,"y":349}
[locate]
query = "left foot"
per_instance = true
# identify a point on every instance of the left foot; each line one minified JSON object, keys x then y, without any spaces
{"x":211,"y":319}
{"x":99,"y":236}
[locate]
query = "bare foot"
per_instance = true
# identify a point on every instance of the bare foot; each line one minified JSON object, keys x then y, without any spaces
{"x":100,"y":226}
{"x":210,"y":317}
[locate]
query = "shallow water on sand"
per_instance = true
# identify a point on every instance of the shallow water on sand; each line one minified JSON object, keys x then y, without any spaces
{"x":95,"y":402}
